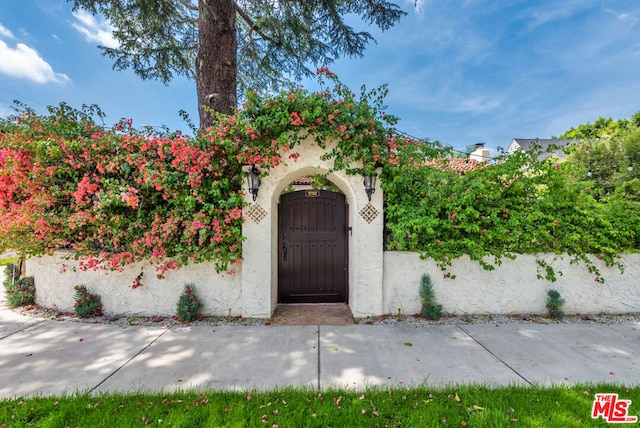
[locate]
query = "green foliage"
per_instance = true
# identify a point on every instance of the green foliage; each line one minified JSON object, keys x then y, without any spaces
{"x":354,"y":130}
{"x":609,"y":167}
{"x":188,"y":305}
{"x":520,"y":205}
{"x":86,"y":304}
{"x":554,"y":305}
{"x":19,"y":291}
{"x":431,"y":310}
{"x":601,"y":128}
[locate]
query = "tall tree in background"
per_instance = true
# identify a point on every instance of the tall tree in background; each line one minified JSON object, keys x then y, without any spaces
{"x":229,"y":45}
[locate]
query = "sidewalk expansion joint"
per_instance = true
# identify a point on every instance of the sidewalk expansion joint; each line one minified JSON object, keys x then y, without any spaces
{"x":318,"y":349}
{"x":495,"y":356}
{"x":26,"y":327}
{"x":129,"y":360}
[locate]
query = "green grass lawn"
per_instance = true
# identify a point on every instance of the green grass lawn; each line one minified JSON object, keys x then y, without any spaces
{"x":473,"y":406}
{"x":12,"y":260}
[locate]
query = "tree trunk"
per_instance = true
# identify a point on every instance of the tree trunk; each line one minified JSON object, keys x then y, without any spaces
{"x":216,"y":64}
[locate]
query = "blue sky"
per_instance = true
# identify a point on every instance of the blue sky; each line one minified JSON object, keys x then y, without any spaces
{"x":459,"y":71}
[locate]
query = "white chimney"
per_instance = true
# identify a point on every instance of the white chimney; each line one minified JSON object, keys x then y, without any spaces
{"x":481,"y":154}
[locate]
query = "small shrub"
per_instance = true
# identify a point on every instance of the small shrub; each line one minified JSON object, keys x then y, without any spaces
{"x":430,"y":308}
{"x":87,"y":304}
{"x":20,"y":291}
{"x":188,"y":304}
{"x":555,"y":304}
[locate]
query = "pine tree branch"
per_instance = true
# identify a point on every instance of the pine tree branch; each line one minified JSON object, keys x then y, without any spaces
{"x":252,"y":25}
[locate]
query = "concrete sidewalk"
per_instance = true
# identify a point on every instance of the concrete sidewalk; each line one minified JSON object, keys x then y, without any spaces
{"x":53,"y":357}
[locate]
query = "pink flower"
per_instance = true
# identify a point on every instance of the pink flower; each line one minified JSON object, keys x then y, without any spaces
{"x":294,"y":119}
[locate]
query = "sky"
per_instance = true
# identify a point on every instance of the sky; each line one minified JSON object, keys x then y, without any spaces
{"x":458,"y":71}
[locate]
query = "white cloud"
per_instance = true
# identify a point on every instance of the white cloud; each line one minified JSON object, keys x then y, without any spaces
{"x":4,"y":31}
{"x":25,"y":62}
{"x":546,"y":13}
{"x":624,"y":18}
{"x":478,"y":104}
{"x":93,"y":30}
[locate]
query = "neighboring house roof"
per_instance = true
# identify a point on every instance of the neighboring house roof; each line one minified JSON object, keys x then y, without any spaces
{"x":529,"y":143}
{"x":302,"y":181}
{"x":460,"y":165}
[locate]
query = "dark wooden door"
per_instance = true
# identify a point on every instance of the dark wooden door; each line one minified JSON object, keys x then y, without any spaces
{"x":312,"y":247}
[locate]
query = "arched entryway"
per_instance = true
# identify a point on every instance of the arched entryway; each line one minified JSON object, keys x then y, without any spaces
{"x":313,"y":247}
{"x":262,"y":246}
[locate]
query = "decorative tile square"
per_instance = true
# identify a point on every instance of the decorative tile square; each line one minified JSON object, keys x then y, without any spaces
{"x":369,"y":213}
{"x":256,"y":213}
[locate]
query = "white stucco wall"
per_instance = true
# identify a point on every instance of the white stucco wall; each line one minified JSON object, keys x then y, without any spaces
{"x":511,"y":288}
{"x":56,"y":276}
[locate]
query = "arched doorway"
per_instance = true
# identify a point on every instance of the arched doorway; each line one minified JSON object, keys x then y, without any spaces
{"x":313,"y":247}
{"x":262,"y":245}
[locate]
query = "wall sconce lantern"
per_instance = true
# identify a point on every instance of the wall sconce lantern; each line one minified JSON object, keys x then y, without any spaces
{"x":369,"y":185}
{"x":253,"y":181}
